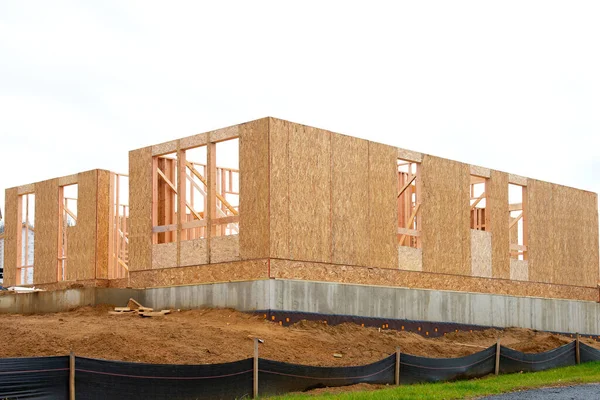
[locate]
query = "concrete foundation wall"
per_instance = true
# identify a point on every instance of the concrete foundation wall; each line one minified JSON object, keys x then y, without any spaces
{"x":386,"y":302}
{"x":333,"y":298}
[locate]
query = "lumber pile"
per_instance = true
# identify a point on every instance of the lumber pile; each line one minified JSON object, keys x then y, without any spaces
{"x":134,"y":307}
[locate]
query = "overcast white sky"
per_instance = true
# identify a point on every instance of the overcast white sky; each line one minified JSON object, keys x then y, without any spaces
{"x":514,"y":86}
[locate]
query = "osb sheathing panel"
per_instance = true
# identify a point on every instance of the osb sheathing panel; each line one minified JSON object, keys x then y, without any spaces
{"x":563,"y":234}
{"x":279,"y":188}
{"x":497,"y":206}
{"x":254,"y":189}
{"x":68,"y":180}
{"x":519,"y":270}
{"x":383,"y":206}
{"x":103,"y":283}
{"x":81,"y":238}
{"x":410,"y":259}
{"x":121,"y":283}
{"x":409,"y":155}
{"x":309,"y":193}
{"x":11,"y":231}
{"x":164,"y":255}
{"x":517,"y":179}
{"x":193,"y":252}
{"x":481,"y":253}
{"x":480,"y":171}
{"x":224,"y":248}
{"x":24,"y":189}
{"x":103,"y":225}
{"x":226,"y":272}
{"x":349,"y":200}
{"x":284,"y":269}
{"x":445,"y":216}
{"x":140,"y":209}
{"x":46,"y":232}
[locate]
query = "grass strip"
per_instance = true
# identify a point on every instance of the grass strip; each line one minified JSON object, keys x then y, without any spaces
{"x":490,"y":385}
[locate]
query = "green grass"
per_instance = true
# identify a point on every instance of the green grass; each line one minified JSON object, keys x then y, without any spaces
{"x":585,"y":373}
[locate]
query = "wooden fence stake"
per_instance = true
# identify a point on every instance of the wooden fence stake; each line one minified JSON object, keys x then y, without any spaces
{"x":255,"y":379}
{"x":497,"y":367}
{"x":72,"y":376}
{"x":397,"y":375}
{"x":577,"y":354}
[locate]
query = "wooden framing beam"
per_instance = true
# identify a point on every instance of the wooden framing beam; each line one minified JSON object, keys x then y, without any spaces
{"x":514,"y":221}
{"x":221,"y":198}
{"x":515,"y":207}
{"x":407,"y":184}
{"x":477,"y":201}
{"x":410,"y":221}
{"x":162,"y":175}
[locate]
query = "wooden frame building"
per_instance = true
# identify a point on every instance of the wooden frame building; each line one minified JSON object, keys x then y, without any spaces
{"x":302,"y":203}
{"x":73,"y":231}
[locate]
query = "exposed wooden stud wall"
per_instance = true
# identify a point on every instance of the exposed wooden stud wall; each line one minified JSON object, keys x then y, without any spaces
{"x":445,"y":216}
{"x":46,"y":232}
{"x":563,"y":234}
{"x":140,"y":209}
{"x":254,"y":189}
{"x":498,"y":217}
{"x":349,"y":200}
{"x":11,"y":232}
{"x":382,"y":204}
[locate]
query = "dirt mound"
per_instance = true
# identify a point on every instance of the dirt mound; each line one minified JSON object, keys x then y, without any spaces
{"x":220,"y":335}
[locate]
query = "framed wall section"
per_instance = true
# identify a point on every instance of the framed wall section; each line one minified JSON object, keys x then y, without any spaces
{"x":409,"y":203}
{"x":25,"y":239}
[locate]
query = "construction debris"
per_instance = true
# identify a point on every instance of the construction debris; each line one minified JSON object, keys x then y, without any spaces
{"x":134,"y":307}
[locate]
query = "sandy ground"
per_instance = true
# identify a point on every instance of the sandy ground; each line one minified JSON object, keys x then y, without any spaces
{"x":221,"y":335}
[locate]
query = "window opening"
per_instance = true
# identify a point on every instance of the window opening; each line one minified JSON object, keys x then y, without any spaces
{"x":164,"y":201}
{"x":26,"y":240}
{"x":119,"y":241}
{"x":478,"y":202}
{"x":67,"y":218}
{"x":409,"y":222}
{"x":196,"y":198}
{"x":517,"y":221}
{"x":227,"y":188}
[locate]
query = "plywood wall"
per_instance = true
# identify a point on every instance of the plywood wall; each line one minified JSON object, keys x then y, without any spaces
{"x":563,"y":234}
{"x":333,"y":197}
{"x":254,"y":189}
{"x":140,"y":209}
{"x":349,"y":200}
{"x":46,"y":232}
{"x":445,"y":216}
{"x":497,"y":206}
{"x":309,"y":188}
{"x":279,"y":207}
{"x":383,"y":209}
{"x":11,"y":232}
{"x":81,"y":238}
{"x":104,"y":224}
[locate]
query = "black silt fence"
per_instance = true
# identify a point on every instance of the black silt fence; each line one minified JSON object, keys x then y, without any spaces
{"x":101,"y":379}
{"x":34,"y":378}
{"x":48,"y":377}
{"x":276,"y":377}
{"x":588,"y":353}
{"x":515,"y":361}
{"x":415,"y":369}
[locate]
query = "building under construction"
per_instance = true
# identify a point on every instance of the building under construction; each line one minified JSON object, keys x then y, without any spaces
{"x":273,"y":215}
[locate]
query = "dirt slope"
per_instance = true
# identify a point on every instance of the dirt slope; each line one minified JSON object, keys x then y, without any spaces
{"x":213,"y":335}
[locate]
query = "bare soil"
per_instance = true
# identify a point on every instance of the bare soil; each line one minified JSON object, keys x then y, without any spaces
{"x":221,"y":335}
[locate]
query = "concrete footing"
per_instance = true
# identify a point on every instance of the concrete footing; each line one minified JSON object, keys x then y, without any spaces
{"x":333,"y":298}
